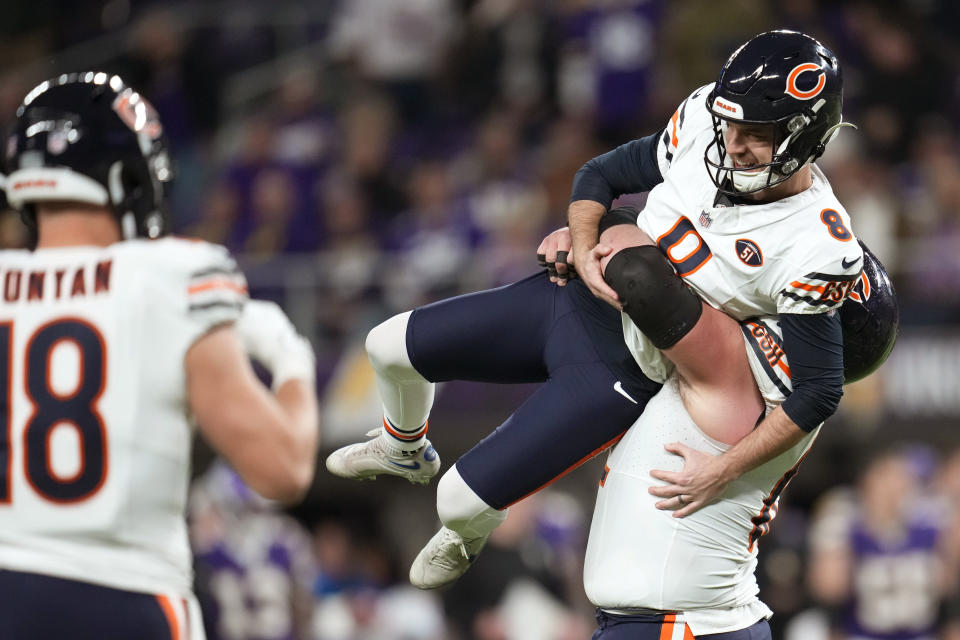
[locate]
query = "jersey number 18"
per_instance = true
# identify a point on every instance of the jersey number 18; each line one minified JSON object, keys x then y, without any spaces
{"x":50,"y":409}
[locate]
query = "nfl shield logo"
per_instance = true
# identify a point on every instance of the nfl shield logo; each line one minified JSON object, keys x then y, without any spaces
{"x":705,"y":219}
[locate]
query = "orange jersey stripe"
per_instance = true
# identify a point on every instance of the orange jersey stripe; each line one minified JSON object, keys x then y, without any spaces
{"x":784,"y":367}
{"x":673,"y":128}
{"x":666,"y":629}
{"x":171,"y":616}
{"x":769,"y":503}
{"x":217,"y":284}
{"x":807,"y":287}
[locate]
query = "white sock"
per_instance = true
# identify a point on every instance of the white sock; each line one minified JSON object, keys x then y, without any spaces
{"x":462,"y":510}
{"x":406,"y":395}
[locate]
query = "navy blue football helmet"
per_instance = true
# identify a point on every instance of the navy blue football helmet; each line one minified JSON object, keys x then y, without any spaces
{"x":781,"y":78}
{"x":87,"y":137}
{"x":870,"y":317}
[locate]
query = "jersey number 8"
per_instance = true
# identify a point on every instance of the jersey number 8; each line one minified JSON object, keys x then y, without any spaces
{"x":835,"y":226}
{"x":50,"y":409}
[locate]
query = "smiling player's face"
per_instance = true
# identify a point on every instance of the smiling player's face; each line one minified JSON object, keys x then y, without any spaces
{"x":748,"y":144}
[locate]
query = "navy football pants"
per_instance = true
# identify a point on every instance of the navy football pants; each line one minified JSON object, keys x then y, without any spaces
{"x":39,"y":607}
{"x":529,"y":331}
{"x":659,"y":626}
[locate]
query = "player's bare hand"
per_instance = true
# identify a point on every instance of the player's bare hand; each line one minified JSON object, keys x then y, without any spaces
{"x":556,"y":254}
{"x":591,"y":272}
{"x":702,"y":479}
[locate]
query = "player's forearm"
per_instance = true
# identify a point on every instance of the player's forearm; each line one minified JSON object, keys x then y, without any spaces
{"x":270,"y":439}
{"x":583,"y":217}
{"x":776,"y":434}
{"x":298,"y":401}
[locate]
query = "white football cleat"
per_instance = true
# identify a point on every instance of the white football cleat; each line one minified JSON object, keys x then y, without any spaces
{"x":445,"y":558}
{"x":367,"y":460}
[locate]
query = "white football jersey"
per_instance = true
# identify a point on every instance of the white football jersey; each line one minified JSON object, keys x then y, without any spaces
{"x":702,"y":566}
{"x":96,"y":442}
{"x":795,"y":255}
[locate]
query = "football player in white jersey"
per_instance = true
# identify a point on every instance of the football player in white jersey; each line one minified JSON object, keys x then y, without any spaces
{"x":763,"y":236}
{"x":113,"y":341}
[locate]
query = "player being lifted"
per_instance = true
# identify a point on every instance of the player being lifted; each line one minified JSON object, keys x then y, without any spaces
{"x":109,"y":340}
{"x":739,"y":211}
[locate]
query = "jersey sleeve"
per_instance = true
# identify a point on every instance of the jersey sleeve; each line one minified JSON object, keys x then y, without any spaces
{"x":813,"y":344}
{"x":685,"y":124}
{"x":823,"y":282}
{"x":204,"y":288}
{"x":216,"y":289}
{"x":630,"y":168}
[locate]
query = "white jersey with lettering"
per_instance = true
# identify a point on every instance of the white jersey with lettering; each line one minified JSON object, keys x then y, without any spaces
{"x":795,"y":255}
{"x":95,"y":454}
{"x":639,"y":557}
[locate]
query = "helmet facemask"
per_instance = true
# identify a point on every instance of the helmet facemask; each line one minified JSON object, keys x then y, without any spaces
{"x":790,"y":138}
{"x":784,"y":79}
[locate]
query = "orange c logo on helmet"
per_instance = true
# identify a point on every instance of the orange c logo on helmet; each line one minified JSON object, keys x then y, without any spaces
{"x":795,"y":73}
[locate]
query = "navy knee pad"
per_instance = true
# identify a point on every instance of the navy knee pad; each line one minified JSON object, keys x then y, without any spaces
{"x":655,"y":298}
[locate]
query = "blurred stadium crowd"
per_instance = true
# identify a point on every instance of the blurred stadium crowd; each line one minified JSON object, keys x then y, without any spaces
{"x":362,"y":157}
